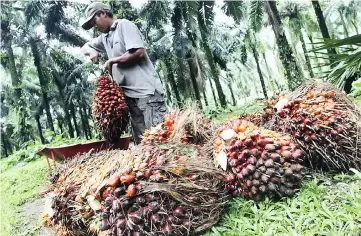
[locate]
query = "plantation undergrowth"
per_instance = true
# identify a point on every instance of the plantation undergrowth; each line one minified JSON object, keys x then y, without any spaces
{"x":324,"y":206}
{"x":19,"y":185}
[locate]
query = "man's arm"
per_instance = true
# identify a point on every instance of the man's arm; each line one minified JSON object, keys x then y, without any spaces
{"x":127,"y":59}
{"x":91,"y":52}
{"x":130,"y":57}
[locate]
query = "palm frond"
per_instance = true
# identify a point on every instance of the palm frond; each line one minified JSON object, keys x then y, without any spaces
{"x":235,"y":9}
{"x":32,"y":10}
{"x":208,"y":12}
{"x":331,"y":43}
{"x":308,"y":22}
{"x":66,"y":34}
{"x":177,"y":19}
{"x":344,"y":65}
{"x":219,"y":55}
{"x":155,"y":14}
{"x":54,"y":15}
{"x":244,"y":54}
{"x":189,"y":12}
{"x":75,"y":73}
{"x":31,"y":86}
{"x":256,"y":12}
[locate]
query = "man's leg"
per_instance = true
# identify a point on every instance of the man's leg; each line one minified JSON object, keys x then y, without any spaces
{"x":137,"y":119}
{"x":155,"y":110}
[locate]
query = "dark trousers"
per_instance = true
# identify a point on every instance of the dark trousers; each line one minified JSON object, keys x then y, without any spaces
{"x":145,"y":113}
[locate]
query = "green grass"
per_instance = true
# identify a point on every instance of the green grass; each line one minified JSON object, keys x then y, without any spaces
{"x":318,"y":209}
{"x":19,"y":185}
{"x":235,"y":112}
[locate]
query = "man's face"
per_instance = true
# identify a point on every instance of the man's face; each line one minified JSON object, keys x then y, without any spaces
{"x":100,"y":22}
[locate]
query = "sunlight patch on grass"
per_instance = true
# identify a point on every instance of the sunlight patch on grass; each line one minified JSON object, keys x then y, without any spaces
{"x":19,"y":185}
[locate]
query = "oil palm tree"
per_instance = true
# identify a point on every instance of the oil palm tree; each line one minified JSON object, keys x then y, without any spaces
{"x":346,"y":13}
{"x":322,"y":24}
{"x":51,"y":14}
{"x":17,"y":100}
{"x":293,"y":73}
{"x":292,"y":13}
{"x":205,"y":16}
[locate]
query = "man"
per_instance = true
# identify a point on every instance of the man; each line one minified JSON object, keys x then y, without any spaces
{"x":129,"y":64}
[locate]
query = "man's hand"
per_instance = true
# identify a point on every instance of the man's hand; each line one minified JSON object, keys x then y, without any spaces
{"x":93,"y":55}
{"x":108,"y":65}
{"x":91,"y":52}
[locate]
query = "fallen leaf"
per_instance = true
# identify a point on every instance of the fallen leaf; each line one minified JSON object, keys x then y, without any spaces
{"x":221,"y":160}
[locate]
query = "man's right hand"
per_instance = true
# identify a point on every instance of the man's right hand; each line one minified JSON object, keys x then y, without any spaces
{"x":94,"y":56}
{"x":91,"y":52}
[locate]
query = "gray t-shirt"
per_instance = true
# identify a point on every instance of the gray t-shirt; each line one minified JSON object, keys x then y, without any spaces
{"x":139,"y":80}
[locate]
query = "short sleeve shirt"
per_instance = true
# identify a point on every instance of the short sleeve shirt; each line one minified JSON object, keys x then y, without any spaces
{"x":139,"y":80}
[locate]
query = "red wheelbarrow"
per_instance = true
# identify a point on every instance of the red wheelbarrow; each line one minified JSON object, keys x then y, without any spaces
{"x":69,"y":151}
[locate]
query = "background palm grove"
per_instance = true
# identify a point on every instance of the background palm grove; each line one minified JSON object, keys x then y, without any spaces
{"x":225,"y":55}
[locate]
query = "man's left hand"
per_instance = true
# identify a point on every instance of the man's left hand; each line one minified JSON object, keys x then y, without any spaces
{"x":108,"y":65}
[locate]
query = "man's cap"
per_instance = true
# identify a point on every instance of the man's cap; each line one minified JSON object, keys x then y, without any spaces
{"x":90,"y":12}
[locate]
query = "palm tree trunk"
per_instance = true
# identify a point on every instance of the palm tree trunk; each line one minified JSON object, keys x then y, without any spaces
{"x":255,"y":55}
{"x":269,"y":73}
{"x":213,"y":93}
{"x":86,"y":119}
{"x":73,"y":114}
{"x":15,"y":78}
{"x":210,"y":59}
{"x":64,"y":103}
{"x":60,"y":124}
{"x":193,"y":74}
{"x":308,"y":62}
{"x":314,"y":53}
{"x":43,"y":83}
{"x":234,"y":102}
{"x":172,"y":82}
{"x":322,"y":24}
{"x":16,"y":81}
{"x":4,"y":145}
{"x":214,"y":71}
{"x":200,"y":69}
{"x":40,"y":130}
{"x":47,"y":111}
{"x":293,"y":74}
{"x":85,"y":130}
{"x":168,"y":94}
{"x":355,"y":26}
{"x":205,"y":97}
{"x":343,"y":23}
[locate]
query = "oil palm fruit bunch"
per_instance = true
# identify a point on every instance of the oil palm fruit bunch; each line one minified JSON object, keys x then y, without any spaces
{"x":144,"y":167}
{"x":325,"y":124}
{"x":262,"y":162}
{"x":270,"y":109}
{"x":255,"y":118}
{"x":185,"y":126}
{"x":66,"y":212}
{"x":156,"y":195}
{"x":146,"y":214}
{"x":160,"y":133}
{"x":110,"y":110}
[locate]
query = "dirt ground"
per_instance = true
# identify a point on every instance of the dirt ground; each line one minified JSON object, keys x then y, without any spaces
{"x":33,"y":211}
